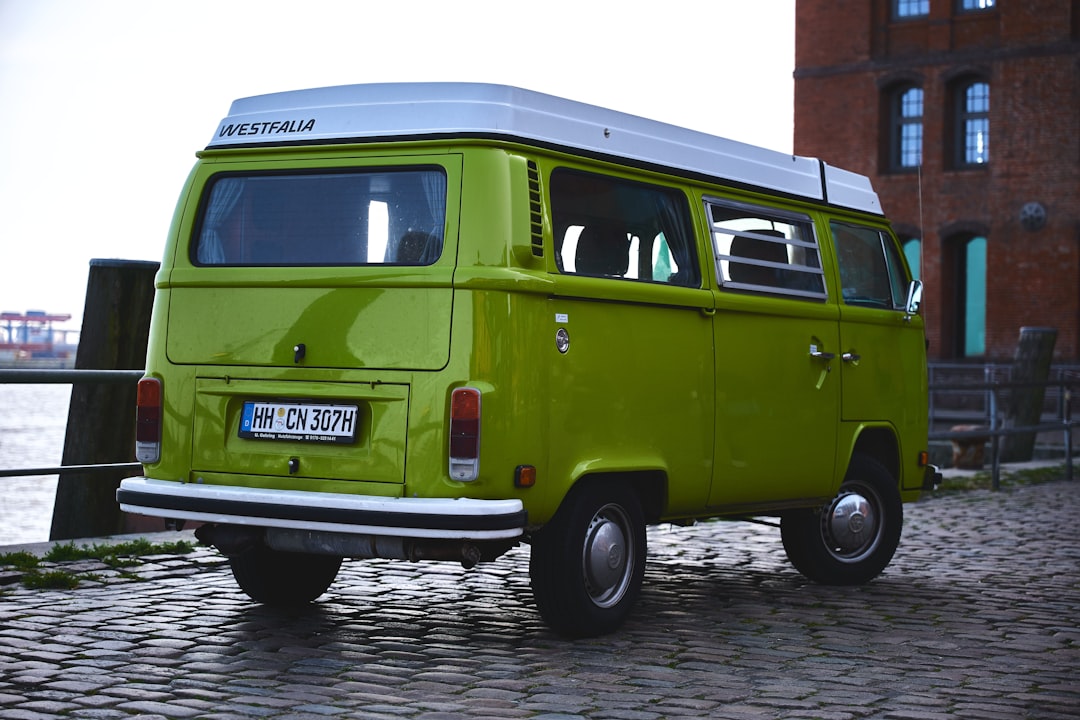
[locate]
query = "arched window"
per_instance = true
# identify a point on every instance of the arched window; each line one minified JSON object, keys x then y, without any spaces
{"x":905,"y":128}
{"x":970,"y":301}
{"x":972,"y":102}
{"x":913,"y":254}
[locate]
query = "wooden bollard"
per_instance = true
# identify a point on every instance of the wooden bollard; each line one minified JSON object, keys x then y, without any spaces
{"x":101,"y":417}
{"x":1034,"y":353}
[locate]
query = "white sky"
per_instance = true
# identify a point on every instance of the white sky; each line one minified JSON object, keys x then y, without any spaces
{"x":103,"y":104}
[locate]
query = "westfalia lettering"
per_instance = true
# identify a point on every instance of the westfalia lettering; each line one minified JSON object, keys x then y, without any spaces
{"x":277,"y":127}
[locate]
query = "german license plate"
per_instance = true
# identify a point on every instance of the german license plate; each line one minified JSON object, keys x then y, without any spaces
{"x":303,"y":422}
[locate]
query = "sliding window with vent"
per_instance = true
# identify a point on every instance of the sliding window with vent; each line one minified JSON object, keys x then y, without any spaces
{"x":763,"y":250}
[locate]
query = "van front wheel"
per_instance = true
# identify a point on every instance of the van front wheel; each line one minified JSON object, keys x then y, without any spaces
{"x":851,"y":539}
{"x":586,"y":565}
{"x":273,"y":577}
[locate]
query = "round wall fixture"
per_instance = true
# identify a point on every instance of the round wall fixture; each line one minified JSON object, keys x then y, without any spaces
{"x":1033,"y":216}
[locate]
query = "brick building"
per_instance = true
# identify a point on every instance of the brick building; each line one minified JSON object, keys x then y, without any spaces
{"x":966,"y":116}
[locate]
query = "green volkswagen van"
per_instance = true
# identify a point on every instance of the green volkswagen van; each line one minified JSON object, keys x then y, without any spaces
{"x":436,"y":321}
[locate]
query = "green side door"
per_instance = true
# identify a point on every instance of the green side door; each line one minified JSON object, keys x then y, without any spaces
{"x":777,"y":354}
{"x":883,"y":362}
{"x":631,"y":343}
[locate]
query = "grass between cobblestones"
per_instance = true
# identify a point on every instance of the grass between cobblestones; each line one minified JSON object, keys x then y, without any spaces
{"x":1009,"y":479}
{"x":48,"y":571}
{"x":65,"y":566}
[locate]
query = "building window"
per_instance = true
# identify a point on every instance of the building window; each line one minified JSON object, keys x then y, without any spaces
{"x":973,"y":124}
{"x":906,"y":128}
{"x":904,"y":9}
{"x":976,"y":5}
{"x":913,"y":253}
{"x":970,"y":286}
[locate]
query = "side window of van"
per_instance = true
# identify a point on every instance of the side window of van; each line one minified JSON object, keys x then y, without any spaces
{"x":871,"y":272}
{"x":764,"y":250}
{"x":608,"y":227}
{"x":369,"y":217}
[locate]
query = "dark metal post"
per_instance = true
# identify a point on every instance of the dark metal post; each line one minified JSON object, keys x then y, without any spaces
{"x":1066,"y":393}
{"x":995,"y":442}
{"x":101,"y":426}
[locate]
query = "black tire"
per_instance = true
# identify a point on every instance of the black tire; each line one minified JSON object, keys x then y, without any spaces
{"x":852,"y":538}
{"x":283,"y":579}
{"x":587,"y":563}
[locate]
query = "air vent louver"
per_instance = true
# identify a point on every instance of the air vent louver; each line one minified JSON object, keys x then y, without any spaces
{"x":536,"y":211}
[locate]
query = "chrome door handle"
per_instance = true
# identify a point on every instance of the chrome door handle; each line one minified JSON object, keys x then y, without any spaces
{"x":819,"y":355}
{"x":851,"y":357}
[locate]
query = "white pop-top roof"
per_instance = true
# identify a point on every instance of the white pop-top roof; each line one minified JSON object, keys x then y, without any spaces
{"x":401,"y":110}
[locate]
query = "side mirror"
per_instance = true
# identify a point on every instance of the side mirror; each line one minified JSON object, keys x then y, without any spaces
{"x":914,"y":297}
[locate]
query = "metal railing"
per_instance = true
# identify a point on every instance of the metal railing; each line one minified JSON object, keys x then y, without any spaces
{"x":990,"y":416}
{"x":960,"y":379}
{"x":995,"y":428}
{"x":68,"y":377}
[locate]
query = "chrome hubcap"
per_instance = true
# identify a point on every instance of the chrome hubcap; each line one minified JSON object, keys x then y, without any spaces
{"x":850,"y":525}
{"x":607,"y":556}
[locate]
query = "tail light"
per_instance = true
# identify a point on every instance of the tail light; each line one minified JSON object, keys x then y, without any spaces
{"x":465,"y":434}
{"x":148,"y":421}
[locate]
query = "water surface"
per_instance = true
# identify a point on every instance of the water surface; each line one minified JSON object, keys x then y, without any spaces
{"x":33,"y":419}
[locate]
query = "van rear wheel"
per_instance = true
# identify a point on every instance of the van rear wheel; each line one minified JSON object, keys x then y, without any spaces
{"x":273,"y":577}
{"x":587,"y":564}
{"x":852,"y":538}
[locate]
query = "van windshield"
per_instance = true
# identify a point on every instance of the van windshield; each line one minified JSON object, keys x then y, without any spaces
{"x":381,"y":217}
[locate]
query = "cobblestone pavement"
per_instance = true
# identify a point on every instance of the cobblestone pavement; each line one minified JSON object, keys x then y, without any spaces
{"x":975,"y":618}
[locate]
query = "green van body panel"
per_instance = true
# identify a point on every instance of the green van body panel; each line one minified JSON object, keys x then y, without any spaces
{"x":709,"y":401}
{"x":713,"y":391}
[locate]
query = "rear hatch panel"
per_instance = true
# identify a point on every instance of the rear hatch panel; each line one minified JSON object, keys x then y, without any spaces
{"x":377,"y":455}
{"x":383,"y":327}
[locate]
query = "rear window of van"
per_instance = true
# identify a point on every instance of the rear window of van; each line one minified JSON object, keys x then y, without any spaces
{"x":356,"y":217}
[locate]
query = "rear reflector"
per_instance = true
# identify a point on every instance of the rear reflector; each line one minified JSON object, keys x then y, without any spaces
{"x":148,"y":421}
{"x":524,"y":476}
{"x":465,"y":434}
